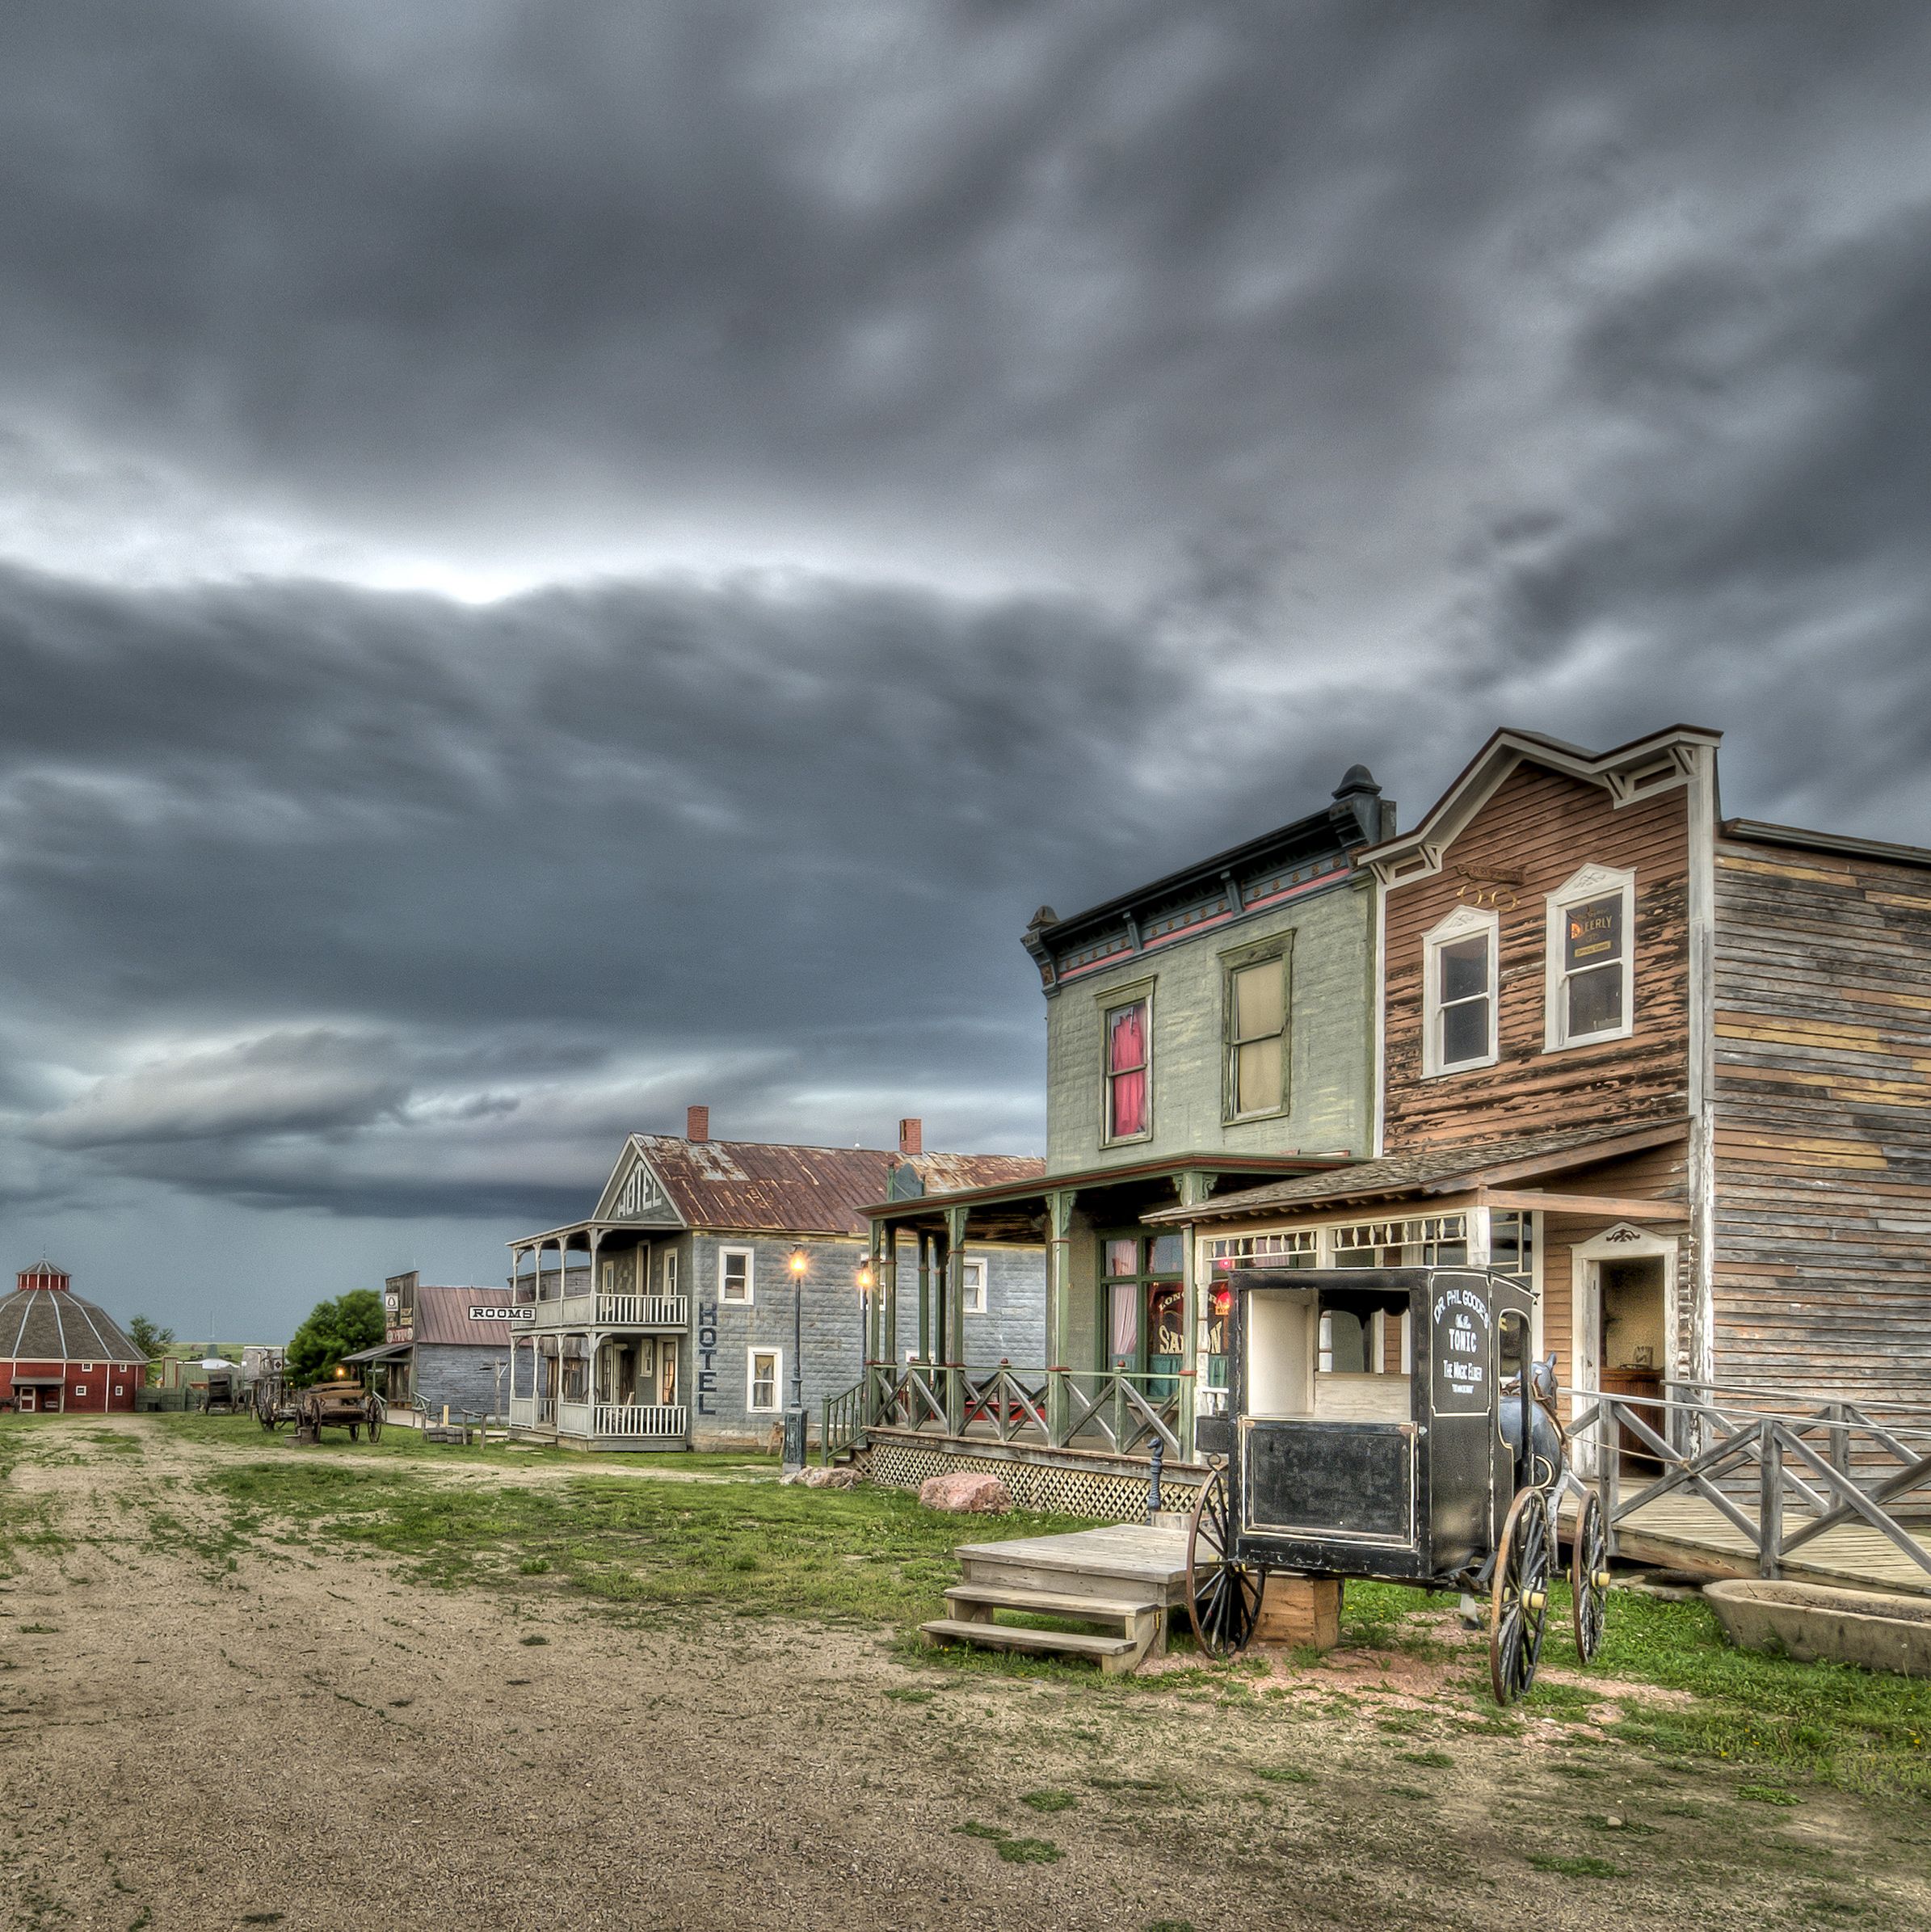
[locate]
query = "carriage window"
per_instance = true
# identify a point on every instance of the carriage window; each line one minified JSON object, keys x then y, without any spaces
{"x":1343,"y":1348}
{"x":1513,"y":1345}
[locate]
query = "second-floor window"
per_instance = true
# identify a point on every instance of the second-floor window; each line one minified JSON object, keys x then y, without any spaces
{"x":975,"y":1287}
{"x":1256,"y":1019}
{"x":1459,"y":1014}
{"x":733,"y":1274}
{"x":1591,"y":959}
{"x":1129,"y":1066}
{"x":669,"y":1271}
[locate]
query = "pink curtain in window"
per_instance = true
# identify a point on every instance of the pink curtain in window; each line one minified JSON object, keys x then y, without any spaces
{"x":1126,"y":1322}
{"x":1126,"y":1062}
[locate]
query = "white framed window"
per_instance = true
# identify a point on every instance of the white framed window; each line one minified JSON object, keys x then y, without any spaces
{"x":119,"y":1390}
{"x":669,"y":1271}
{"x":1591,"y":958}
{"x":764,"y":1375}
{"x":734,"y":1275}
{"x":975,"y":1286}
{"x":86,"y":1368}
{"x":1459,"y":992}
{"x":80,"y":1388}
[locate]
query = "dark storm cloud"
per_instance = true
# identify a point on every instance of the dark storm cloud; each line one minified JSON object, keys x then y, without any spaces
{"x":1352,"y":378}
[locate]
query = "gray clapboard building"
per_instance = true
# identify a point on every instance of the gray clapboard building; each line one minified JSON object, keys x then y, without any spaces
{"x":664,"y":1318}
{"x":442,"y":1347}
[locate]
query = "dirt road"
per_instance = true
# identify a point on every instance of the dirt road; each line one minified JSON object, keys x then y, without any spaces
{"x":311,"y":1742}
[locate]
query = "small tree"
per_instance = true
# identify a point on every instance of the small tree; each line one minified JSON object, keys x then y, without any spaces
{"x":150,"y":1340}
{"x":334,"y":1329}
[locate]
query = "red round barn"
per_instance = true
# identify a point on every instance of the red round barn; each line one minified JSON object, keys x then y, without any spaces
{"x":58,"y":1352}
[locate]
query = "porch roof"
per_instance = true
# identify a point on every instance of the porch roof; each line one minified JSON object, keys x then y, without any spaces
{"x":1435,"y":1171}
{"x":1017,"y":1198}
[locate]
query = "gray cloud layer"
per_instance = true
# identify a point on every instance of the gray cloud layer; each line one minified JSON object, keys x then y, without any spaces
{"x":952,"y":455}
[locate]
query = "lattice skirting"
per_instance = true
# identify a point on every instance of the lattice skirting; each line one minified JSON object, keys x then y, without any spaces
{"x":1066,"y":1488}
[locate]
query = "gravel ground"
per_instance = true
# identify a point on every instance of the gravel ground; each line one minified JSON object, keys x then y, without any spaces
{"x":314,"y":1743}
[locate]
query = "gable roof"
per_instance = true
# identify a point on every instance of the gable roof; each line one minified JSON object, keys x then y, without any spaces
{"x":759,"y":1187}
{"x":1625,"y":771}
{"x":1435,"y":1170}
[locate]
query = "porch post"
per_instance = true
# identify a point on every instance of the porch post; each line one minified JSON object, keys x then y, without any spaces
{"x":596,"y":1241}
{"x":1059,"y":1312}
{"x":1194,"y":1190}
{"x":955,"y":1319}
{"x":925,"y":1299}
{"x":888,"y":1284}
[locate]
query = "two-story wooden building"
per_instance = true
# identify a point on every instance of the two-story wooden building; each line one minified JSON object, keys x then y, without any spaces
{"x":1669,"y":1066}
{"x":664,"y":1319}
{"x":1213,"y":1028}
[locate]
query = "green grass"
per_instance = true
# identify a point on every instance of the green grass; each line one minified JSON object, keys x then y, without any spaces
{"x":857,"y":1556}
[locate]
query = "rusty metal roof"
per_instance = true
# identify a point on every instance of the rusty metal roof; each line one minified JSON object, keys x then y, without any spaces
{"x":443,"y":1315}
{"x":753,"y":1186}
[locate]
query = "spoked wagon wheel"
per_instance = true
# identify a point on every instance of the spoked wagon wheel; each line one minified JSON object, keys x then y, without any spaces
{"x":1519,"y":1599}
{"x":375,"y":1426}
{"x":1589,"y":1577}
{"x":1223,"y":1593}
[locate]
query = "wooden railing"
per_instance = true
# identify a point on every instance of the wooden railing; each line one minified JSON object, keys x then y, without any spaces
{"x":614,"y":1312}
{"x":1806,"y":1471}
{"x":842,"y":1427}
{"x":1111,"y":1408}
{"x":649,"y":1419}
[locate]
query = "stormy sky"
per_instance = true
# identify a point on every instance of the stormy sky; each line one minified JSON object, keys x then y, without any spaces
{"x":556,"y":561}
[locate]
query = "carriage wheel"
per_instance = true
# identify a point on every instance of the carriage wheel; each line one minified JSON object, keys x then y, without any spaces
{"x":1589,"y":1577}
{"x":375,"y":1426}
{"x":1223,"y":1593}
{"x":1519,"y":1599}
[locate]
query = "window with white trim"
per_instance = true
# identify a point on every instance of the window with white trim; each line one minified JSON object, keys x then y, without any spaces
{"x":1591,"y":958}
{"x":669,"y":1271}
{"x":1458,"y":994}
{"x":764,"y":1375}
{"x":1126,"y":1033}
{"x":975,"y":1286}
{"x":1255,"y":1006}
{"x":80,"y":1388}
{"x":734,"y":1275}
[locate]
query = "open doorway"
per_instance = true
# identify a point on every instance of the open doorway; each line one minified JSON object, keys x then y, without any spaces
{"x":1624,"y":1288}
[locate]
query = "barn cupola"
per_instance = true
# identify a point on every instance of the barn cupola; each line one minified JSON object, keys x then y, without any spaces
{"x":43,"y":1275}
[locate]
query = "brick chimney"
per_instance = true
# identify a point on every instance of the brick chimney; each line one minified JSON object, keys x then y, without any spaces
{"x":912,"y":1136}
{"x":697,"y":1123}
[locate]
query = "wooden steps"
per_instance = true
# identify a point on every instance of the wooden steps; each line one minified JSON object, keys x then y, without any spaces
{"x":1114,"y":1654}
{"x":1122,"y":1578}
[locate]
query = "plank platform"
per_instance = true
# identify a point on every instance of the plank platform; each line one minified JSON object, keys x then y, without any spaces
{"x":1114,"y":1654}
{"x":1685,"y":1532}
{"x":1118,"y":1561}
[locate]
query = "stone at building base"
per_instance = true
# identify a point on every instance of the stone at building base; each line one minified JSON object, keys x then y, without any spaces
{"x":1302,"y":1611}
{"x":966,"y":1492}
{"x":820,"y":1478}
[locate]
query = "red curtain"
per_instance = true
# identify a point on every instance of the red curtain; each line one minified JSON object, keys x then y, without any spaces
{"x":1127,"y":1066}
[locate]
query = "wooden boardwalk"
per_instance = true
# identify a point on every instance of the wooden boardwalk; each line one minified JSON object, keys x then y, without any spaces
{"x":1152,"y":1562}
{"x":1683,"y":1532}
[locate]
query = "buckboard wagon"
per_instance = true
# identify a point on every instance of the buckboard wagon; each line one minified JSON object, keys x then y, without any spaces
{"x":1443,"y":1473}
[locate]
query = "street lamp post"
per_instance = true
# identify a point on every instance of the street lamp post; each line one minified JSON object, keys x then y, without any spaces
{"x":794,"y":1415}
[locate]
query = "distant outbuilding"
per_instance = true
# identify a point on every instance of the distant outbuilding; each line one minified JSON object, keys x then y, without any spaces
{"x":58,"y":1352}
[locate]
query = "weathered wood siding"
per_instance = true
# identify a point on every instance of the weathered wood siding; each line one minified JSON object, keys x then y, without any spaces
{"x":1330,"y":1041}
{"x":1822,"y":1149}
{"x":1544,"y":826}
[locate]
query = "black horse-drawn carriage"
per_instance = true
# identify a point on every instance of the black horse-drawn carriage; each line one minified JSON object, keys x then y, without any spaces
{"x":1444,"y":1473}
